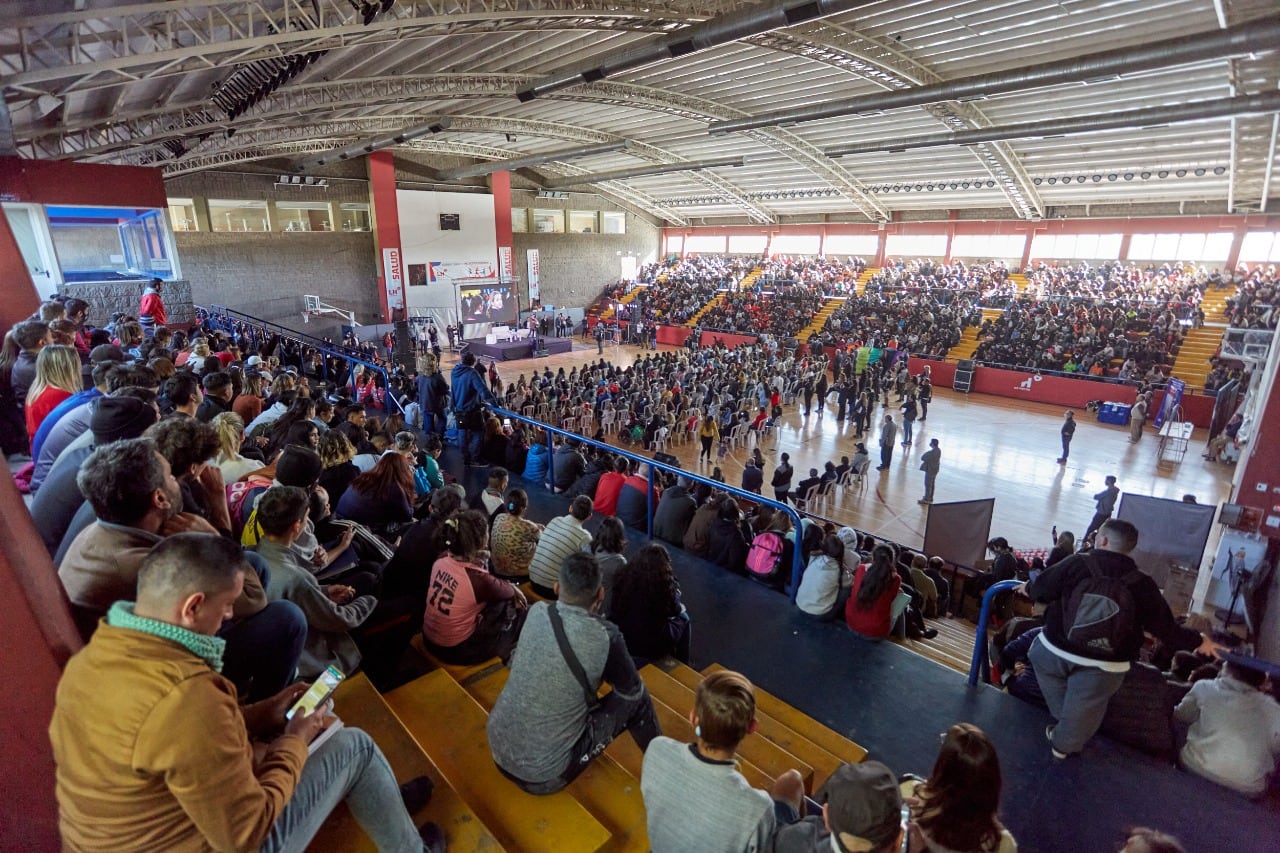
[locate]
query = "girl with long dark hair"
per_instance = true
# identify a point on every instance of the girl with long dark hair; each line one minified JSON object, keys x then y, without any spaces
{"x":646,"y":607}
{"x":869,"y":610}
{"x":957,"y":809}
{"x":382,"y":497}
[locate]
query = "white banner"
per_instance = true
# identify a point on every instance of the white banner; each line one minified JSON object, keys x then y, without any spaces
{"x":393,"y":275}
{"x":506,"y":263}
{"x":438,"y":271}
{"x":535,"y":276}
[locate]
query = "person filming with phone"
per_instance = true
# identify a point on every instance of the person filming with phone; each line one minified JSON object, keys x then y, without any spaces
{"x":154,"y":751}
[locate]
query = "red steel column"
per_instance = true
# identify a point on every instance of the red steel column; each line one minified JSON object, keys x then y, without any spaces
{"x":500,"y":182}
{"x":386,"y":234}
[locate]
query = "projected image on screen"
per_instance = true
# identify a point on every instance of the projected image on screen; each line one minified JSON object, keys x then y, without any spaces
{"x":487,"y":304}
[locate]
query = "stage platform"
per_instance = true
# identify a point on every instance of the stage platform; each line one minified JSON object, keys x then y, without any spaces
{"x":513,"y":350}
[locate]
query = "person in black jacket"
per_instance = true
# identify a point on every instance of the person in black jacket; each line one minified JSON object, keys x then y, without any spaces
{"x":781,"y":481}
{"x":752,"y":477}
{"x":729,"y":543}
{"x":802,"y":491}
{"x":674,"y":513}
{"x":1078,"y":680}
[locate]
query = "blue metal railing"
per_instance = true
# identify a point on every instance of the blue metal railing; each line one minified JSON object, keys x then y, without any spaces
{"x":225,"y":318}
{"x":797,"y":561}
{"x":979,"y":666}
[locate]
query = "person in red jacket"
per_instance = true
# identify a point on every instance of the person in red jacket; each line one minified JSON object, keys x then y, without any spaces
{"x":609,"y":487}
{"x":869,"y":609}
{"x":151,"y":311}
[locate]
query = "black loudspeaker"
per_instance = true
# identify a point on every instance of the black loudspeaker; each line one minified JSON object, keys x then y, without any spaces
{"x":965,"y":364}
{"x":666,"y":459}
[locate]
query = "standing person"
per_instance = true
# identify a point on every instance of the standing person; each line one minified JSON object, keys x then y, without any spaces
{"x":469,"y":393}
{"x":888,"y":432}
{"x":1106,"y":505}
{"x":548,"y":723}
{"x":929,"y":464}
{"x":599,"y":335}
{"x":151,"y":310}
{"x":908,"y":419}
{"x":695,"y":790}
{"x":1099,"y":606}
{"x":925,"y":395}
{"x":708,"y":433}
{"x":1068,"y":431}
{"x":1138,"y":418}
{"x":433,"y":394}
{"x":781,"y":481}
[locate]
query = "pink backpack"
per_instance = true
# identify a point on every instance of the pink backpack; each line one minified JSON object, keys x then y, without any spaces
{"x":765,"y":554}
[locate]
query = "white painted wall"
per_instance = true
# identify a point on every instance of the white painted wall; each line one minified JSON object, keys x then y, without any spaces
{"x":422,"y":241}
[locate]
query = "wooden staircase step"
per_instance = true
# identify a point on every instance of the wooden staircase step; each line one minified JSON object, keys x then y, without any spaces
{"x":459,"y":673}
{"x":450,"y":726}
{"x":804,"y":725}
{"x":823,"y":762}
{"x":760,"y":751}
{"x":360,"y":705}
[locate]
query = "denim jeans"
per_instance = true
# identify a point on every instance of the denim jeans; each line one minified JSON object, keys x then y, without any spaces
{"x":470,"y":440}
{"x":262,"y":651}
{"x":349,"y":768}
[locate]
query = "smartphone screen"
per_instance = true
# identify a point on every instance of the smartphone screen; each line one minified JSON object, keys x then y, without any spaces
{"x":506,"y":423}
{"x":318,"y":693}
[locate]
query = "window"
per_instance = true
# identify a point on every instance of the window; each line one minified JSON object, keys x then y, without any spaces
{"x":916,"y":245}
{"x":675,"y":244}
{"x":1102,"y":247}
{"x":111,"y":243}
{"x":304,"y":216}
{"x":705,"y":244}
{"x":858,"y":245}
{"x":747,"y":244}
{"x":182,"y":214}
{"x":1260,"y":247}
{"x":988,"y":245}
{"x":355,"y":217}
{"x":227,"y":215}
{"x":548,"y":221}
{"x":1180,"y":247}
{"x":795,"y":244}
{"x":583,"y":222}
{"x":520,"y":220}
{"x":614,"y":222}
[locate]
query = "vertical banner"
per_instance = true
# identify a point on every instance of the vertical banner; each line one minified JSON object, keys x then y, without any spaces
{"x":1172,"y":399}
{"x":393,"y":274}
{"x":506,"y":264}
{"x":535,"y":276}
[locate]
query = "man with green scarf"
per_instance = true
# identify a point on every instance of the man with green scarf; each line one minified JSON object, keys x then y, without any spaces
{"x":154,"y":751}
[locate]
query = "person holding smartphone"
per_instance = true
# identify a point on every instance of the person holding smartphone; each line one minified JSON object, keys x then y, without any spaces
{"x":153,"y":749}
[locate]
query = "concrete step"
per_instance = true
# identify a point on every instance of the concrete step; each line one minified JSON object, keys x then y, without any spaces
{"x":360,"y":705}
{"x":450,"y":726}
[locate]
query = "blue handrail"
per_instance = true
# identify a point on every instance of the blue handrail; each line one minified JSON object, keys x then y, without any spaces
{"x":228,"y":316}
{"x":979,"y":665}
{"x":797,"y":560}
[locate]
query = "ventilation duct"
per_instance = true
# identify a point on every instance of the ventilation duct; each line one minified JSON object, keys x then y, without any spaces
{"x":717,"y":31}
{"x":1257,"y":36}
{"x":532,"y":160}
{"x":360,"y":149}
{"x":641,"y":171}
{"x":1267,"y":102}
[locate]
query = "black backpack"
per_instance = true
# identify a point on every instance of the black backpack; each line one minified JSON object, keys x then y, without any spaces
{"x":1100,"y":612}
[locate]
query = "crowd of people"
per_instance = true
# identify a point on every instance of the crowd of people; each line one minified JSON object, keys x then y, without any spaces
{"x":1253,"y":306}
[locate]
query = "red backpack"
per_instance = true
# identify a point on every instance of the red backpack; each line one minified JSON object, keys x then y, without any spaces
{"x":764,"y":555}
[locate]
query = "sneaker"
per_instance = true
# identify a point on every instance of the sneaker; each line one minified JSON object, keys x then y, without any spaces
{"x":1048,"y":734}
{"x":928,"y":633}
{"x":416,"y":793}
{"x":433,"y":840}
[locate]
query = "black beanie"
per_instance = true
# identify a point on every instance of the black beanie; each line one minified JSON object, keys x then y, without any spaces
{"x":298,"y":466}
{"x":118,"y":418}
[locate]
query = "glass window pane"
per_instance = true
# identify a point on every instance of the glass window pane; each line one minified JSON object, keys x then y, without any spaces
{"x":1086,"y":246}
{"x":1165,"y":248}
{"x":1190,"y":247}
{"x":1109,"y":246}
{"x":182,"y":214}
{"x":1256,"y":246}
{"x":795,"y":244}
{"x":355,"y":217}
{"x":916,"y":245}
{"x":304,"y":216}
{"x":228,"y":215}
{"x":675,"y":244}
{"x":747,"y":244}
{"x":858,"y":245}
{"x":548,"y":221}
{"x":705,"y":244}
{"x":1140,"y":247}
{"x":1042,"y":246}
{"x":583,"y":222}
{"x":1216,"y":246}
{"x":615,"y":222}
{"x":520,"y":220}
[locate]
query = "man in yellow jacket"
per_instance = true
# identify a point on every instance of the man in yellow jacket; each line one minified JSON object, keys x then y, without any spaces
{"x":154,"y":752}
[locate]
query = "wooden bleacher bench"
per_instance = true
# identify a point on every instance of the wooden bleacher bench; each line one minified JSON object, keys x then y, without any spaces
{"x":458,"y":672}
{"x":450,"y":726}
{"x":360,"y":705}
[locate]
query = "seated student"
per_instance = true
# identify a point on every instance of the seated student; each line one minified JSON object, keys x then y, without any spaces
{"x":730,"y":537}
{"x":381,"y":499}
{"x":646,"y":607}
{"x":331,"y":610}
{"x":633,"y":500}
{"x":563,"y":535}
{"x":610,"y":487}
{"x":697,"y":537}
{"x":869,"y":610}
{"x":428,"y":459}
{"x":802,"y":490}
{"x":569,"y":464}
{"x":537,"y":463}
{"x":514,"y":538}
{"x":823,"y":588}
{"x":608,"y":546}
{"x":694,"y":790}
{"x":1235,"y":729}
{"x":674,"y":513}
{"x":153,"y":750}
{"x":493,"y":500}
{"x":189,"y":445}
{"x":493,"y":447}
{"x":861,"y":810}
{"x":470,"y":615}
{"x":408,"y":572}
{"x":131,"y":491}
{"x":957,"y":808}
{"x":548,"y":723}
